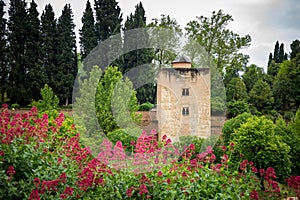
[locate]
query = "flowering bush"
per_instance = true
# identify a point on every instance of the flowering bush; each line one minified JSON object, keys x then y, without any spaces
{"x":42,"y":158}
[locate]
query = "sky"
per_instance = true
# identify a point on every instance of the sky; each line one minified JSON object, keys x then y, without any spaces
{"x":266,"y":21}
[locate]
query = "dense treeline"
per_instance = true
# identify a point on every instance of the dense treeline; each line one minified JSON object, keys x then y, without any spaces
{"x":39,"y":48}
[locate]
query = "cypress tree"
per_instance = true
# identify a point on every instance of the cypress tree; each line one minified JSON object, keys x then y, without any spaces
{"x":270,"y":59}
{"x":281,"y":53}
{"x":48,"y":44}
{"x":295,"y":47}
{"x":37,"y":74}
{"x":276,"y":52}
{"x":67,"y":55}
{"x":88,"y":39}
{"x":108,"y":19}
{"x":3,"y":66}
{"x":17,"y":37}
{"x":140,"y":56}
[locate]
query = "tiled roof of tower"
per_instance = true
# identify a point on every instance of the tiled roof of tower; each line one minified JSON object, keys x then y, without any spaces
{"x":182,"y":59}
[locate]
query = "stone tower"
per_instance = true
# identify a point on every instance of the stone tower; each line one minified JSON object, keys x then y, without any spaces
{"x":183,"y":100}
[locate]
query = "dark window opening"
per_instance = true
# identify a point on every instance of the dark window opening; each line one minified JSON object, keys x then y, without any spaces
{"x":185,"y":92}
{"x":185,"y":111}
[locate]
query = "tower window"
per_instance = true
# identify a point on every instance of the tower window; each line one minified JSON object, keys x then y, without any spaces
{"x":185,"y":92}
{"x":185,"y":111}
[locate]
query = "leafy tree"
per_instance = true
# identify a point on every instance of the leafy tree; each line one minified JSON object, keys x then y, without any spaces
{"x":286,"y":85}
{"x":261,"y":96}
{"x":236,"y":107}
{"x":37,"y":74}
{"x":257,"y":141}
{"x":220,"y":43}
{"x":67,"y":55}
{"x":273,"y":69}
{"x":295,"y":47}
{"x":231,"y":125}
{"x":252,"y":74}
{"x":236,"y":90}
{"x":166,"y":38}
{"x":49,"y":45}
{"x":3,"y":57}
{"x":49,"y":100}
{"x":88,"y":39}
{"x":112,"y":106}
{"x":293,"y":141}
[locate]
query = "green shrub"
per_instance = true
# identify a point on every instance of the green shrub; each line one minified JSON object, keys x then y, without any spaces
{"x":146,"y":106}
{"x":15,"y":106}
{"x":235,"y":108}
{"x":49,"y":100}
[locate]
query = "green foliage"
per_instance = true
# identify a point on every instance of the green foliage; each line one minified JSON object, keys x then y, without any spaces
{"x":146,"y":106}
{"x":218,"y":41}
{"x":295,"y":47}
{"x":286,"y":85}
{"x":49,"y":100}
{"x":115,"y":101}
{"x":236,"y":90}
{"x":88,"y":39}
{"x":293,"y":141}
{"x":66,"y":56}
{"x":234,"y":108}
{"x":231,"y":125}
{"x":166,"y":38}
{"x":252,"y":74}
{"x":261,"y":96}
{"x":3,"y":52}
{"x":257,"y":141}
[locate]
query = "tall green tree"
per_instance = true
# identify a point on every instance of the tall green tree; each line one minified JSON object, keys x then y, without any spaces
{"x":166,"y":38}
{"x":281,"y":54}
{"x":88,"y":39}
{"x":111,"y":108}
{"x":220,"y":43}
{"x":261,"y":96}
{"x":276,"y":52}
{"x":37,"y":74}
{"x":49,"y":45}
{"x":295,"y":47}
{"x":293,"y":141}
{"x":67,"y":55}
{"x":286,"y":85}
{"x":17,"y":37}
{"x":252,"y":74}
{"x":108,"y":19}
{"x":138,"y":57}
{"x":236,"y":90}
{"x":3,"y":57}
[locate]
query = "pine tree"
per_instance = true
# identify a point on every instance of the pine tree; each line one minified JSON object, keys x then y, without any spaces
{"x":17,"y":37}
{"x":276,"y":52}
{"x":37,"y":74}
{"x":3,"y":66}
{"x":108,"y":19}
{"x":49,"y":45}
{"x":67,"y":55}
{"x":88,"y":39}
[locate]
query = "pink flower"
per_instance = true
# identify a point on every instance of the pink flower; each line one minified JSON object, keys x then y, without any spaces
{"x":254,"y":195}
{"x":223,"y":148}
{"x":231,"y":144}
{"x":143,"y":189}
{"x":10,"y":171}
{"x":129,"y":192}
{"x":254,"y":170}
{"x":160,"y":174}
{"x":192,"y":147}
{"x":209,"y":150}
{"x":34,"y":195}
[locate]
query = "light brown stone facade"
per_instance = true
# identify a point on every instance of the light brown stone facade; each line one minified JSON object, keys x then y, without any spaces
{"x":183,"y":101}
